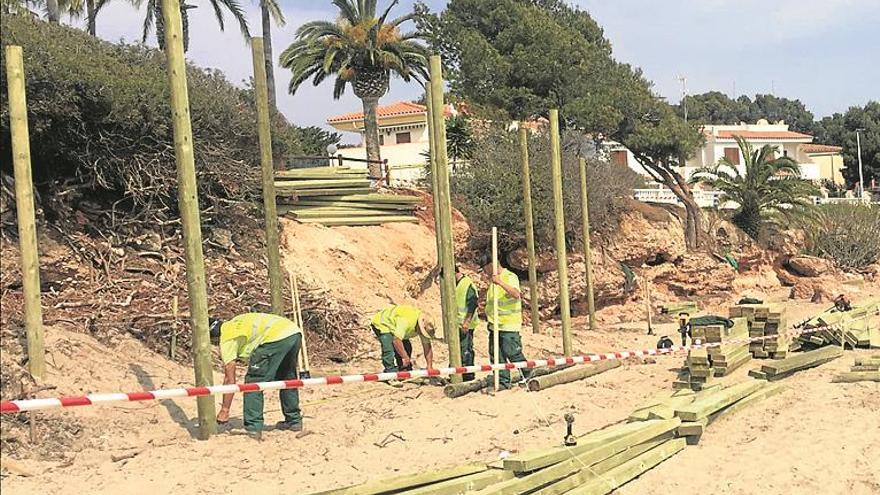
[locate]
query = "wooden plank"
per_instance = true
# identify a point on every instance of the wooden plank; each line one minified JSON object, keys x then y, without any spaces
{"x":463,"y":484}
{"x":321,"y":203}
{"x":573,"y":464}
{"x":857,"y":376}
{"x":785,"y":367}
{"x":301,"y":214}
{"x":318,"y":194}
{"x":585,"y":475}
{"x":392,"y":485}
{"x":691,"y":428}
{"x":620,"y":475}
{"x":765,"y":392}
{"x":376,"y":198}
{"x":360,"y":221}
{"x":283,"y":185}
{"x":713,"y":402}
{"x":574,"y":374}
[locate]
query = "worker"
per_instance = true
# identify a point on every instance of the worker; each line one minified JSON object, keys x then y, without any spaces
{"x":466,"y":302}
{"x":684,"y":327}
{"x":395,"y":326}
{"x":270,"y":345}
{"x":505,"y":287}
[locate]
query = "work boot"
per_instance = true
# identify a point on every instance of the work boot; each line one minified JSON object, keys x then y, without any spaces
{"x":256,"y":435}
{"x":285,"y":425}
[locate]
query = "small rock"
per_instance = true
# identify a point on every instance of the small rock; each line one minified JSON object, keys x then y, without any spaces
{"x":808,"y":266}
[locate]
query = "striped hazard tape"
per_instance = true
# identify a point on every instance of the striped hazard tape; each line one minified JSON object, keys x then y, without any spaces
{"x":15,"y":406}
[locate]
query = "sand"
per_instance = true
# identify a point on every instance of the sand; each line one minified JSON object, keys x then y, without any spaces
{"x":817,"y":437}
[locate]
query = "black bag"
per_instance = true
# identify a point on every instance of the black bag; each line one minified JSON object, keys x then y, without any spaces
{"x":665,"y":343}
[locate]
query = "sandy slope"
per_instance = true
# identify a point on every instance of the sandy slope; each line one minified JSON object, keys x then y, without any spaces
{"x":817,"y":437}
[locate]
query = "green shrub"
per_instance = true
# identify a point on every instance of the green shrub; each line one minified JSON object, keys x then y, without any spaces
{"x":848,"y":235}
{"x":489,"y":189}
{"x":100,"y":123}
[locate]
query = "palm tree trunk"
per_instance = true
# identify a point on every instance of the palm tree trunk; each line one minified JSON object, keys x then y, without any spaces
{"x":52,"y":11}
{"x":90,"y":12}
{"x":267,"y":54}
{"x":371,"y":135}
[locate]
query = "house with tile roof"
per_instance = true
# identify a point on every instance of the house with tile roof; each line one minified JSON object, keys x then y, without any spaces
{"x":403,"y":136}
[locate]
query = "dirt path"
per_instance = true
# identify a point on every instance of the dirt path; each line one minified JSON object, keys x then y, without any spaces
{"x":817,"y":437}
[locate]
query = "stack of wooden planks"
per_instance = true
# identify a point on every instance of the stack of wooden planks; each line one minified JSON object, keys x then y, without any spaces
{"x":702,"y":365}
{"x":765,"y":322}
{"x":864,"y":369}
{"x":860,"y":327}
{"x":776,"y":370}
{"x":676,"y":308}
{"x":339,"y":196}
{"x":697,"y":372}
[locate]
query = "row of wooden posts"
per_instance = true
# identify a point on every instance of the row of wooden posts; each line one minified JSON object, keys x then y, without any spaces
{"x":191,"y":225}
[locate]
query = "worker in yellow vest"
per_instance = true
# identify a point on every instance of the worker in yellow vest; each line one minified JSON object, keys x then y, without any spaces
{"x":270,"y":345}
{"x":505,"y":285}
{"x":466,"y":302}
{"x":395,"y":326}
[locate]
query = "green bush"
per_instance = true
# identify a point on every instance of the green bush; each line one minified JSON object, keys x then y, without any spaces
{"x":489,"y":189}
{"x":100,"y":124}
{"x":848,"y":235}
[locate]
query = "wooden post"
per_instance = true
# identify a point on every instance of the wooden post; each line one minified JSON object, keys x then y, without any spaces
{"x":188,"y":203}
{"x":298,"y":318}
{"x":648,"y":305}
{"x":175,"y":305}
{"x":432,"y":161}
{"x":559,"y":215}
{"x":495,"y":331}
{"x":447,"y":254}
{"x":530,"y":227}
{"x":24,"y":205}
{"x":588,"y":253}
{"x":270,"y":211}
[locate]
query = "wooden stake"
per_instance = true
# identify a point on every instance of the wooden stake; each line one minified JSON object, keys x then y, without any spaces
{"x":530,"y":227}
{"x":270,"y":212}
{"x":188,"y":203}
{"x":559,"y":215}
{"x":447,"y":256}
{"x":174,"y":327}
{"x":297,"y":312}
{"x":432,"y":160}
{"x":495,"y":330}
{"x":648,"y":305}
{"x":588,"y":258}
{"x":24,"y":205}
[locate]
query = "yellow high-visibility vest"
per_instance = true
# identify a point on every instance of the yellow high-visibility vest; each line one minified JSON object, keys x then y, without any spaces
{"x":509,"y":308}
{"x":244,"y":333}
{"x":401,"y":320}
{"x":461,"y":292}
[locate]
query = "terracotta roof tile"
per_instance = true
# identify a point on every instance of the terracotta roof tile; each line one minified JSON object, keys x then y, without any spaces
{"x":821,"y":148}
{"x":763,"y":135}
{"x":398,"y":108}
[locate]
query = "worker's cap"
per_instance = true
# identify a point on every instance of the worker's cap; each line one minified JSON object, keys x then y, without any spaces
{"x":214,"y":325}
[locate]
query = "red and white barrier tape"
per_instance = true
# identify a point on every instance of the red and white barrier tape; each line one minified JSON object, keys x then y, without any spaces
{"x":171,"y":393}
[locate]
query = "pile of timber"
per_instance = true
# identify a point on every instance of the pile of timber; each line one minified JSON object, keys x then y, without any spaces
{"x":703,"y":365}
{"x":676,"y":308}
{"x":776,"y":370}
{"x":860,"y":327}
{"x":339,"y":196}
{"x":864,"y":369}
{"x":539,"y":379}
{"x":765,"y":322}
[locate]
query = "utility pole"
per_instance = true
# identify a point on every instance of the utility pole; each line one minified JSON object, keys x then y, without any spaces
{"x":684,"y":92}
{"x":861,"y":172}
{"x":188,"y":203}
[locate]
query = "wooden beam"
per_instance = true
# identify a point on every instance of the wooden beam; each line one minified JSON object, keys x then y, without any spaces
{"x":394,"y":485}
{"x":188,"y":203}
{"x":857,"y":376}
{"x":358,"y":221}
{"x":619,"y":476}
{"x":571,"y":375}
{"x":24,"y":206}
{"x":784,"y":367}
{"x":559,"y":223}
{"x":473,"y":482}
{"x":763,"y":393}
{"x":530,"y":228}
{"x":704,"y":406}
{"x":588,"y":253}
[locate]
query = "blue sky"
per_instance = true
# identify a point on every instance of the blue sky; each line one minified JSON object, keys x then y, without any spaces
{"x":823,"y":52}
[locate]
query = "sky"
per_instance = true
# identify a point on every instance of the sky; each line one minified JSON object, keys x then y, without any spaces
{"x":823,"y":52}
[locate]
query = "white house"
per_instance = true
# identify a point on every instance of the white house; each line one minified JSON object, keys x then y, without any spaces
{"x":403,"y":136}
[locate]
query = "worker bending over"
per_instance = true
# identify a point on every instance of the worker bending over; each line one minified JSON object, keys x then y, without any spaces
{"x":270,"y":345}
{"x":466,"y":302}
{"x":395,"y":326}
{"x":505,"y":285}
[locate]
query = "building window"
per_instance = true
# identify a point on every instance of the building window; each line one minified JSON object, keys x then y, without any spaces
{"x":732,"y":155}
{"x":785,"y":153}
{"x":381,"y":139}
{"x":619,"y":157}
{"x":403,"y":137}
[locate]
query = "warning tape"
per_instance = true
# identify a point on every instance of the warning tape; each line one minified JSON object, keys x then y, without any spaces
{"x":24,"y":405}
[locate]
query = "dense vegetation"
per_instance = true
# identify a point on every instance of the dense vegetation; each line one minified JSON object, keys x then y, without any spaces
{"x":845,"y":234}
{"x":100,"y":125}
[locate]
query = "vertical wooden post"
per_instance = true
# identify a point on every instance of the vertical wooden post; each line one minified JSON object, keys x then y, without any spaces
{"x":270,"y":211}
{"x":432,"y":161}
{"x":298,"y":318}
{"x":447,"y":254}
{"x":559,"y":215}
{"x":175,"y":327}
{"x":24,"y":205}
{"x":588,"y":253}
{"x":530,"y":227}
{"x":495,"y":326}
{"x":188,"y":203}
{"x":647,"y":285}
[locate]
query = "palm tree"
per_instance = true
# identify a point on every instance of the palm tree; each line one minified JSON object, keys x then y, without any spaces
{"x":766,"y":185}
{"x":269,"y":9}
{"x":361,"y":49}
{"x":154,"y":15}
